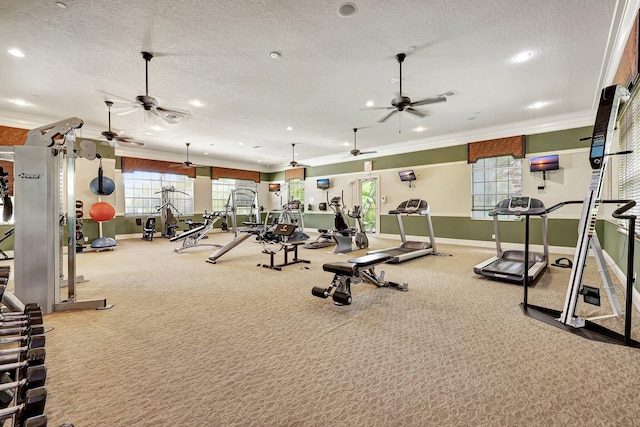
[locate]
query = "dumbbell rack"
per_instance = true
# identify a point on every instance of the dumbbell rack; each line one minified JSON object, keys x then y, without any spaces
{"x":22,"y":369}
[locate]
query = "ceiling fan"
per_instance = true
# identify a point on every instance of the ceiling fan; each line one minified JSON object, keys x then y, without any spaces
{"x":404,"y":103}
{"x":169,"y":115}
{"x":187,"y":164}
{"x":112,"y":136}
{"x":293,"y":162}
{"x":355,"y":151}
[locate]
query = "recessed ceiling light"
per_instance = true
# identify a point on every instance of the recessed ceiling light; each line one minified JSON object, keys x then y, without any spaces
{"x":16,"y":52}
{"x":395,"y":80}
{"x":240,"y":143}
{"x":369,"y":104}
{"x":274,"y":55}
{"x":196,"y":103}
{"x":346,"y":144}
{"x":21,"y":102}
{"x":420,"y":129}
{"x":347,"y":10}
{"x":537,"y":105}
{"x":157,"y":128}
{"x":205,"y":153}
{"x":289,"y":128}
{"x":61,"y":5}
{"x":149,"y":133}
{"x":523,"y":56}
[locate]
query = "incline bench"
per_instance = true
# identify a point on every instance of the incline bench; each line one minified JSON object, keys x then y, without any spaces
{"x":354,"y":271}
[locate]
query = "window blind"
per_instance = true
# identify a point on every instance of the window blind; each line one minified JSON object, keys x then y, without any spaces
{"x":629,"y":164}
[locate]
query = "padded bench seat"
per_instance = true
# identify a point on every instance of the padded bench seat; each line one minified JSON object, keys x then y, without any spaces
{"x":351,"y":267}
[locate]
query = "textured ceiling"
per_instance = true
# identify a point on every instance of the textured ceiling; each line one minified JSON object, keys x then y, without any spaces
{"x":217,"y":52}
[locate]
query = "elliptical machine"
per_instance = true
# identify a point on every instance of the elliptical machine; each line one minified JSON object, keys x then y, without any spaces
{"x":351,"y":238}
{"x":342,"y":234}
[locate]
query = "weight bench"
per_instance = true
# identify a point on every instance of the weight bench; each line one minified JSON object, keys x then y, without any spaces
{"x":355,"y":270}
{"x":191,"y":238}
{"x":283,"y":232}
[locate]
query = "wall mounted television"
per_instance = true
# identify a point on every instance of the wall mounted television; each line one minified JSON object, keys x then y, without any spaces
{"x":274,"y":188}
{"x":545,"y":163}
{"x":407,"y":175}
{"x":323,"y":183}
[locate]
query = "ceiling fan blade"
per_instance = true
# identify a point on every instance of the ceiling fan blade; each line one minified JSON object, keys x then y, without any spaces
{"x":171,"y":115}
{"x":367,"y":152}
{"x":128,"y":110}
{"x":384,"y":119}
{"x":129,"y":142}
{"x":429,"y":101}
{"x":415,"y":112}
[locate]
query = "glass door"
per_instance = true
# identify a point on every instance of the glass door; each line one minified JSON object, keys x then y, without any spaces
{"x":368,"y":188}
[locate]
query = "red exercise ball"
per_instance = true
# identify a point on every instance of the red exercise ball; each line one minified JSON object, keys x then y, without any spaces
{"x":101,"y":212}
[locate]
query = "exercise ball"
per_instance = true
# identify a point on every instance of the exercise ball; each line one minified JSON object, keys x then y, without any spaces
{"x":101,"y":212}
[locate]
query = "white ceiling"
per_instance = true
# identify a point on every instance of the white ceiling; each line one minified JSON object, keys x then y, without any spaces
{"x":217,"y":52}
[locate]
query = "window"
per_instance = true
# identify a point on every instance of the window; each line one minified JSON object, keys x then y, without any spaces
{"x":296,"y":189}
{"x":629,"y":164}
{"x":143,"y":192}
{"x":494,"y":179}
{"x":221,"y":188}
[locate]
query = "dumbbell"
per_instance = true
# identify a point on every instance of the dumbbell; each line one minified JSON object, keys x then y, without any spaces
{"x":31,"y":341}
{"x":31,"y":319}
{"x":30,"y":413}
{"x":29,"y":310}
{"x":10,"y":388}
{"x":33,"y":356}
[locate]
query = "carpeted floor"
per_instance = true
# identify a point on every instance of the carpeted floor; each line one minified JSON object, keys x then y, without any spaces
{"x":189,"y":343}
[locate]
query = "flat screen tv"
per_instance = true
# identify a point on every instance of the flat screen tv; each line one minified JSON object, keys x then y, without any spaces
{"x":407,"y":175}
{"x":274,"y":188}
{"x":322,"y":184}
{"x":545,"y":163}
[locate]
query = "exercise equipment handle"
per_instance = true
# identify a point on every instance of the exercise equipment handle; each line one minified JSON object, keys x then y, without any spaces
{"x":618,"y":213}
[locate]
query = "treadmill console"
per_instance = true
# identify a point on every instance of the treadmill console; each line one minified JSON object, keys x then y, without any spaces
{"x":411,"y":206}
{"x":519,"y":203}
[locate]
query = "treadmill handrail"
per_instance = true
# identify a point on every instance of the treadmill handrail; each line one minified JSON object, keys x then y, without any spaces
{"x":618,"y":213}
{"x":576,"y":202}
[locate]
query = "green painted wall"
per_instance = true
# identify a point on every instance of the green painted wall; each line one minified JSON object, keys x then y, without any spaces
{"x":561,"y":232}
{"x":426,"y":157}
{"x":615,"y":244}
{"x":560,"y":140}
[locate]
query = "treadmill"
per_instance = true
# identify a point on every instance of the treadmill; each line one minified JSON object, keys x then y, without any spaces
{"x":509,"y":265}
{"x":410,"y":249}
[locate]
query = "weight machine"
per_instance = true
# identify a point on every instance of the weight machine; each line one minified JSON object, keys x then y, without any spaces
{"x":169,"y":222}
{"x":40,"y":186}
{"x":242,"y":199}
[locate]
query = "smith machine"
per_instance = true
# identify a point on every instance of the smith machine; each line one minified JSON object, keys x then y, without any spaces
{"x":40,"y":191}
